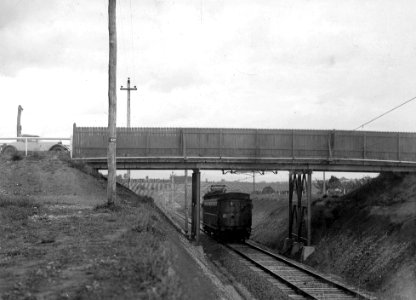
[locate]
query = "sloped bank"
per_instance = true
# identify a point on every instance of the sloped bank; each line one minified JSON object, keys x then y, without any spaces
{"x":368,"y":237}
{"x":57,"y":240}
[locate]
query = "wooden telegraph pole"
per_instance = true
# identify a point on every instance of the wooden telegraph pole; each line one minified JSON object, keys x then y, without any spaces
{"x":128,"y":89}
{"x":112,"y":103}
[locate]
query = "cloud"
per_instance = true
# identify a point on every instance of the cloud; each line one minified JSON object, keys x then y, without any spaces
{"x":201,"y":63}
{"x":36,"y":51}
{"x":48,"y":34}
{"x":168,"y":80}
{"x":14,"y":12}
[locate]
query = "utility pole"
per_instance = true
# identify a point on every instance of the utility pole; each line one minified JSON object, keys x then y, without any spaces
{"x":128,"y":89}
{"x":112,"y":104}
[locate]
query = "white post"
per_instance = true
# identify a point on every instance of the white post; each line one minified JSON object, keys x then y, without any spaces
{"x":70,"y":146}
{"x":26,"y":146}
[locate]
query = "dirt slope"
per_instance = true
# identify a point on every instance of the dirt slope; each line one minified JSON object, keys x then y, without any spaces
{"x":367,"y":237}
{"x":56,"y":244}
{"x":50,"y":179}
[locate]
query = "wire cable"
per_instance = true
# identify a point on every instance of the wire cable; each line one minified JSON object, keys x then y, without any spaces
{"x":385,"y":113}
{"x":132,"y":41}
{"x":125,"y":67}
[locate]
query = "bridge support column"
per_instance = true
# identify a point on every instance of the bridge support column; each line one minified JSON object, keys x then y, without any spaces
{"x":300,"y":213}
{"x":196,"y":190}
{"x":186,"y":202}
{"x":309,"y":209}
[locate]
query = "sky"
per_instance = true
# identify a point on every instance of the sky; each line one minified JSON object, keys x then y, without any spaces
{"x":255,"y":64}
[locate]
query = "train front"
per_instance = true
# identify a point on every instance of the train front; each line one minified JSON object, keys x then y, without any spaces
{"x":234,"y":214}
{"x":227,"y":215}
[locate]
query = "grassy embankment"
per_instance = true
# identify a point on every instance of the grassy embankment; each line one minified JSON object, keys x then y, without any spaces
{"x":57,"y":243}
{"x":368,"y":237}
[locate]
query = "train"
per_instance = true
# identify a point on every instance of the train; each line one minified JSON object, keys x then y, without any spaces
{"x":227,"y":214}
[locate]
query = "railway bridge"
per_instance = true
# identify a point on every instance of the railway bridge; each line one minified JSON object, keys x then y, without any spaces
{"x":298,"y":151}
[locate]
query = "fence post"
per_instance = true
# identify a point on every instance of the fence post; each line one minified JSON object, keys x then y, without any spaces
{"x":70,"y":146}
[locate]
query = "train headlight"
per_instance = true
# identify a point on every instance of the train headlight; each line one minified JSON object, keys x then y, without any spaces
{"x":228,"y":216}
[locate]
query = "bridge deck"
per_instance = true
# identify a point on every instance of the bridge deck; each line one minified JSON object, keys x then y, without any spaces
{"x":249,"y":149}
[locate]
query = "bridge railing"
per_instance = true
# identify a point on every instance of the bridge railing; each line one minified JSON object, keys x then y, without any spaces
{"x":92,"y":142}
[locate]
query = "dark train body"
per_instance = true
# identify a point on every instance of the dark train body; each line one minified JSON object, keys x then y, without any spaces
{"x":227,"y":215}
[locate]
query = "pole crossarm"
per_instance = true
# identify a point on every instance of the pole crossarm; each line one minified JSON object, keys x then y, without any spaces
{"x":128,"y":89}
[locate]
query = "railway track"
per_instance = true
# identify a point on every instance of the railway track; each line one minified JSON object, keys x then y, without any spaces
{"x":296,"y":280}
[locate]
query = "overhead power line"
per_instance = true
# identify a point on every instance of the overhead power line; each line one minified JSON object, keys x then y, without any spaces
{"x":133,"y":52}
{"x":385,"y":113}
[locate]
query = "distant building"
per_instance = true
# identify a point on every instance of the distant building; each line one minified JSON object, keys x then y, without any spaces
{"x":180,"y":179}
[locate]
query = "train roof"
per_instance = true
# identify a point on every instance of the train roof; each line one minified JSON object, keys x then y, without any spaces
{"x":226,"y":195}
{"x":221,"y":192}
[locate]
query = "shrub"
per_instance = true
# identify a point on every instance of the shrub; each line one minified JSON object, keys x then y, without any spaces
{"x":16,"y":156}
{"x":17,"y":202}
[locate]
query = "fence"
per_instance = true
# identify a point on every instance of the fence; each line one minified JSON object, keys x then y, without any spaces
{"x":90,"y":142}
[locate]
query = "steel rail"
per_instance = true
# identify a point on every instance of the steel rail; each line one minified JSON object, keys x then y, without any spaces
{"x":260,"y":266}
{"x":343,"y":288}
{"x":338,"y":293}
{"x":296,"y":289}
{"x":302,"y":268}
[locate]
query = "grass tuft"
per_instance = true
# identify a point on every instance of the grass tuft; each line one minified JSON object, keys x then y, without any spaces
{"x":107,"y":207}
{"x":18,"y":209}
{"x":82,"y":166}
{"x":16,"y":156}
{"x":18,"y":202}
{"x":151,"y":224}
